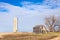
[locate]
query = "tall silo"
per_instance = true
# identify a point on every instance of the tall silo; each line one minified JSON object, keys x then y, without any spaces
{"x":15,"y":24}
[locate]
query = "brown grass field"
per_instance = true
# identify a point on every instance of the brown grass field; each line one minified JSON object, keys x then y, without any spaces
{"x":28,"y":36}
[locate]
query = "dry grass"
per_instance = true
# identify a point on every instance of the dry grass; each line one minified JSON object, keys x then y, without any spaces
{"x":27,"y":36}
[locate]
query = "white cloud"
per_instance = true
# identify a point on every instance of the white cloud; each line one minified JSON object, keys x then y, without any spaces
{"x":29,"y":15}
{"x":42,"y":9}
{"x":52,"y":3}
{"x":26,"y":3}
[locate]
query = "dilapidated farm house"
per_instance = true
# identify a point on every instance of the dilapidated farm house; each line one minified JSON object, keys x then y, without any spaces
{"x":39,"y":29}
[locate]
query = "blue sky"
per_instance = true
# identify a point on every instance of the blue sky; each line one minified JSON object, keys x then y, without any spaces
{"x":17,"y":3}
{"x":29,"y":13}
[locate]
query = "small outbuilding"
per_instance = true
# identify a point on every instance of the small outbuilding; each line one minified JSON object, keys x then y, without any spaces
{"x":39,"y":29}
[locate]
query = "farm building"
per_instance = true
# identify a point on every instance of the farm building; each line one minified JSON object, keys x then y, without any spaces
{"x":39,"y":29}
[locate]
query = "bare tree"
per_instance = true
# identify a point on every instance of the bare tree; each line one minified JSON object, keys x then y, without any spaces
{"x":50,"y":22}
